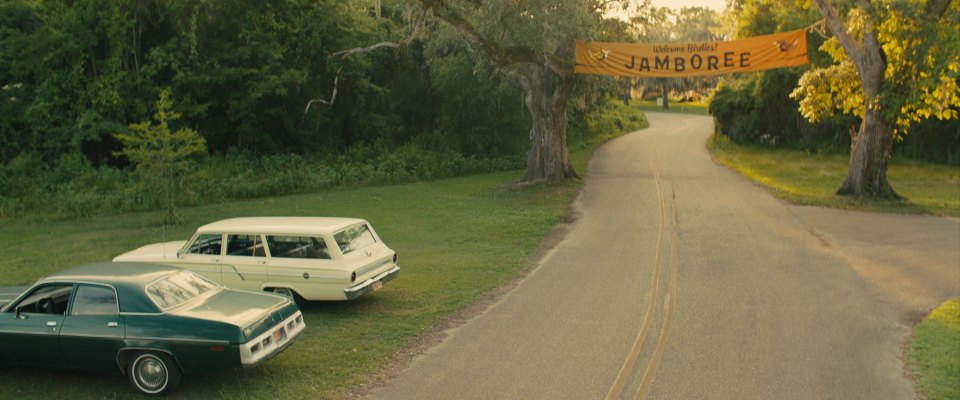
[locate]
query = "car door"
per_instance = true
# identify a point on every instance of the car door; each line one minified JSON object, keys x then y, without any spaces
{"x":244,"y":264}
{"x":202,"y":255}
{"x":30,"y":328}
{"x":304,"y":263}
{"x":93,"y":329}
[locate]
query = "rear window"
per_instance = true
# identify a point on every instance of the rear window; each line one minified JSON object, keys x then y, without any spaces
{"x":178,"y":288}
{"x":354,"y":238}
{"x":298,"y":247}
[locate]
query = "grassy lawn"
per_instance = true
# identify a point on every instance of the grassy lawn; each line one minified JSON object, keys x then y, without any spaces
{"x":935,"y":352}
{"x":457,"y":239}
{"x":803,"y":178}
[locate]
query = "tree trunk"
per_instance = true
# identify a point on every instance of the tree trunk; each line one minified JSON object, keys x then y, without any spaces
{"x":867,"y":173}
{"x":546,"y":95}
{"x":627,"y":85}
{"x":666,"y":94}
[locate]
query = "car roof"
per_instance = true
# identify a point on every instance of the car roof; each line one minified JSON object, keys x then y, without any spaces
{"x":281,"y":225}
{"x":128,"y":278}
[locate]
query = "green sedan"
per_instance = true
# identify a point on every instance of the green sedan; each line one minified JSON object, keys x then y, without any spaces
{"x":150,"y":322}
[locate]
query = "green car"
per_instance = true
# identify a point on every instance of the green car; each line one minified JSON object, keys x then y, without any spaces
{"x":150,"y":322}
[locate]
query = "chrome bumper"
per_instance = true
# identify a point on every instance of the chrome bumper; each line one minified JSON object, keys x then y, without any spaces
{"x":271,"y":343}
{"x":371,"y":284}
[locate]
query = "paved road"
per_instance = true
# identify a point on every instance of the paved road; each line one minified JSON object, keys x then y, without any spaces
{"x":680,"y":280}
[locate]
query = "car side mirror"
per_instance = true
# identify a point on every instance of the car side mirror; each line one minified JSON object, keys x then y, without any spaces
{"x":18,"y":312}
{"x":179,"y":254}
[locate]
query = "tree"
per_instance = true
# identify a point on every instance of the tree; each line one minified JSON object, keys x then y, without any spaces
{"x":162,"y":158}
{"x":906,"y":55}
{"x":532,"y":41}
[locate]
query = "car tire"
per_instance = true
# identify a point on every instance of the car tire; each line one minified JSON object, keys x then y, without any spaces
{"x":153,"y":373}
{"x":290,"y":294}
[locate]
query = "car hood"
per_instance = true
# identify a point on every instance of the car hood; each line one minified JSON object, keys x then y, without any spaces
{"x":153,"y":252}
{"x":253,"y":312}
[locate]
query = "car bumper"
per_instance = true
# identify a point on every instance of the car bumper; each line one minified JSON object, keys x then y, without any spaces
{"x":271,"y":343}
{"x":371,"y":284}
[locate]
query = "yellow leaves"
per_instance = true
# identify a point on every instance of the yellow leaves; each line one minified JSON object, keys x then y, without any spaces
{"x":922,"y":67}
{"x":823,"y":91}
{"x":858,"y":21}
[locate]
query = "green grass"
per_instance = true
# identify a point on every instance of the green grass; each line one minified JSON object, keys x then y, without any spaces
{"x":802,"y":178}
{"x":457,"y":239}
{"x":675,"y":107}
{"x":935,"y":352}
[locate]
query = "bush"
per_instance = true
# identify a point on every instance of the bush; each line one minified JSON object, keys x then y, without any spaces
{"x":73,"y":187}
{"x":755,"y":109}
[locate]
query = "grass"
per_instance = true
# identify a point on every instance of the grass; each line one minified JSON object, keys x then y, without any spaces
{"x":457,"y":239}
{"x":934,"y":353}
{"x":812,"y":179}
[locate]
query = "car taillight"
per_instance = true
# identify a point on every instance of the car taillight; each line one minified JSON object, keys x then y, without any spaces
{"x":395,"y":258}
{"x":353,"y":277}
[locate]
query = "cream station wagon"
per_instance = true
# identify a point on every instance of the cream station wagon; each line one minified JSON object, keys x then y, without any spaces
{"x":304,"y":258}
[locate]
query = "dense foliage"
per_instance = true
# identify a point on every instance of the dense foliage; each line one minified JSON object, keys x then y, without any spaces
{"x":756,"y":108}
{"x":240,"y":73}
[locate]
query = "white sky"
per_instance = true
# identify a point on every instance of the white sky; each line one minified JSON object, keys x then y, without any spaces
{"x":717,"y":5}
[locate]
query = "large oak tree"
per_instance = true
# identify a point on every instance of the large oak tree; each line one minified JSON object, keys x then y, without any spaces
{"x":898,"y":61}
{"x":533,"y":41}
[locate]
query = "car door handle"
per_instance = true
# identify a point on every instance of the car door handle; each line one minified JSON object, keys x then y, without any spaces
{"x":112,"y":325}
{"x":264,"y":262}
{"x":52,"y":323}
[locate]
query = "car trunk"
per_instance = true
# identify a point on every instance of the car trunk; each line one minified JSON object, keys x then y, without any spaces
{"x":373,"y":260}
{"x":254,"y":314}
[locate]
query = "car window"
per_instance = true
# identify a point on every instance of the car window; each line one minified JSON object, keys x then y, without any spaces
{"x":298,"y":247}
{"x":47,"y":299}
{"x":95,"y":300}
{"x":245,"y":245}
{"x":354,"y":238}
{"x":175,"y":289}
{"x":207,"y":243}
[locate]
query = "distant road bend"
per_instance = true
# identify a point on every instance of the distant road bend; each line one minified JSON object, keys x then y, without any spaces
{"x":681,"y":280}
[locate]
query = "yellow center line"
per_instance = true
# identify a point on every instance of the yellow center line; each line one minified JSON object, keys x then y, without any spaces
{"x":627,"y":369}
{"x":651,"y":371}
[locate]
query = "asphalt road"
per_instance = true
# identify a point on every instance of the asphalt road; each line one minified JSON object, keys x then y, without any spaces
{"x":681,"y":280}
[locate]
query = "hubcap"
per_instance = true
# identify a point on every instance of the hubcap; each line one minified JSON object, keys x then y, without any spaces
{"x":152,"y":374}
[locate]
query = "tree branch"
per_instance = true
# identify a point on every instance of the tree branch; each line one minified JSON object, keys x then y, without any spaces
{"x":839,"y":30}
{"x":937,"y":8}
{"x":499,"y":55}
{"x":343,"y":54}
{"x":347,"y":53}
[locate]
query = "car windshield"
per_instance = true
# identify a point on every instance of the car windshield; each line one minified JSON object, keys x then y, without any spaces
{"x":354,"y":238}
{"x":175,"y":289}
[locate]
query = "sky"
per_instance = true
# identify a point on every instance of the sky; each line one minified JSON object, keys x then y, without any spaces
{"x":717,"y":5}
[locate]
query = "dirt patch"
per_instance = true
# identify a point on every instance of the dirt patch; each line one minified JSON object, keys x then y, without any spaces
{"x":436,"y":334}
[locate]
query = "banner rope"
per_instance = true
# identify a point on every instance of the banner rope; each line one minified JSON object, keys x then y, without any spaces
{"x":820,"y":27}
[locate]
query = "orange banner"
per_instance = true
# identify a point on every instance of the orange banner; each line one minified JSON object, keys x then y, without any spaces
{"x":779,"y":50}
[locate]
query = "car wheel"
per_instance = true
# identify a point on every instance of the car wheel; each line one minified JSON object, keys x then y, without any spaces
{"x":153,"y":373}
{"x":290,"y":294}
